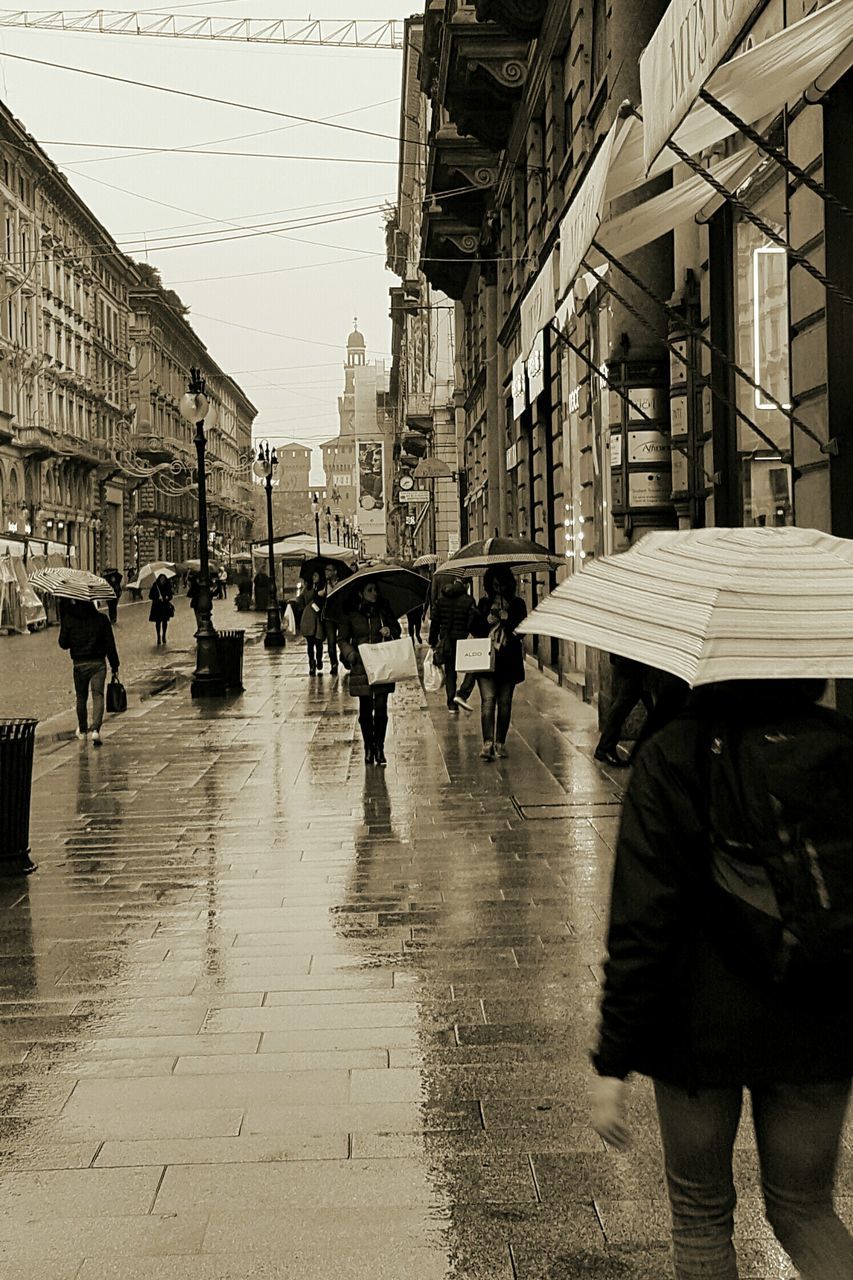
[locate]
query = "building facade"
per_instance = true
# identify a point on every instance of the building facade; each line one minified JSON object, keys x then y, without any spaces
{"x":649,"y":335}
{"x":291,"y":494}
{"x":160,"y":450}
{"x":424,"y":508}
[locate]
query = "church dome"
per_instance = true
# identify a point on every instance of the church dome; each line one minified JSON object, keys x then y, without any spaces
{"x":356,"y":339}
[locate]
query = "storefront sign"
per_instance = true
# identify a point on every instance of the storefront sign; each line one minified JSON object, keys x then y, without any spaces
{"x":415,"y":495}
{"x":535,"y":365}
{"x":650,"y":400}
{"x":690,"y":40}
{"x":678,"y":415}
{"x":649,"y":488}
{"x":519,"y":389}
{"x":648,"y":446}
{"x":538,"y":304}
{"x":512,"y":457}
{"x":616,"y":449}
{"x":680,"y":479}
{"x":584,"y":214}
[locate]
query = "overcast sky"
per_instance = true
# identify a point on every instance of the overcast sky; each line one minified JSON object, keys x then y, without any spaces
{"x":274,"y":303}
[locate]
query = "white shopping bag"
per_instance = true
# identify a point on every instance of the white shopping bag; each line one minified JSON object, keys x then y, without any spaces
{"x":288,"y":620}
{"x":475,"y":655}
{"x":389,"y":661}
{"x":433,"y":675}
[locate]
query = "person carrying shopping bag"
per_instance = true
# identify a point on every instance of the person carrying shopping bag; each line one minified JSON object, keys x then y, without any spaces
{"x":162,"y":609}
{"x":88,"y":635}
{"x":497,"y":615}
{"x":370,"y":622}
{"x":311,"y":623}
{"x":451,"y":621}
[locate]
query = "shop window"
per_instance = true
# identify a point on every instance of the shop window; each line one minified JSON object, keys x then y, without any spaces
{"x":763,"y":350}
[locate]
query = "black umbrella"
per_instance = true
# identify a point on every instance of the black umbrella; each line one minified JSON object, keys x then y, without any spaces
{"x":399,"y":589}
{"x":517,"y":553}
{"x":317,"y":564}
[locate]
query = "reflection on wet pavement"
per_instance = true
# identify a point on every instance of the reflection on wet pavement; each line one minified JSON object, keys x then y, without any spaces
{"x":265,"y":1013}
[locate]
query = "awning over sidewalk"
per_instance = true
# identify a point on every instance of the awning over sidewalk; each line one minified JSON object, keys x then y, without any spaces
{"x":752,"y":85}
{"x":584,"y":214}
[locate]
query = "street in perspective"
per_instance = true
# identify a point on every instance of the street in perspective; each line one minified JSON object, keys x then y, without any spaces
{"x":426,"y":652}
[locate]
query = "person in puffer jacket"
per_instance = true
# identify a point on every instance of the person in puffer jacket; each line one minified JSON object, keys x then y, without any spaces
{"x":451,"y":621}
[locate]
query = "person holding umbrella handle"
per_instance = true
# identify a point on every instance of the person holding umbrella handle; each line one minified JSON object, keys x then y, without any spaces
{"x":370,"y":622}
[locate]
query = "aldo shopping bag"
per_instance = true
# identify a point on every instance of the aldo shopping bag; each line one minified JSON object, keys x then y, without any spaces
{"x":389,"y":661}
{"x":116,"y":695}
{"x":475,"y":655}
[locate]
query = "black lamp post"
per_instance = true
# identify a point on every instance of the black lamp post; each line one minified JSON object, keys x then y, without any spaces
{"x":264,"y":469}
{"x":315,"y":511}
{"x":207,"y":680}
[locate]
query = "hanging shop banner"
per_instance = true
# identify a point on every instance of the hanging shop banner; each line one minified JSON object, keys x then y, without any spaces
{"x":584,"y":214}
{"x":536,"y":367}
{"x":519,"y":389}
{"x":370,"y":475}
{"x":690,"y":40}
{"x":539,"y":304}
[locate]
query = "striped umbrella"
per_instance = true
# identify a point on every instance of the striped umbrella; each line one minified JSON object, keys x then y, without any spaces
{"x":72,"y":584}
{"x":425,"y":562}
{"x":517,"y":553}
{"x":715,"y":604}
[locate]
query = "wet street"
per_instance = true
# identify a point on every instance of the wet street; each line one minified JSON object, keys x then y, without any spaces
{"x":267,"y":1013}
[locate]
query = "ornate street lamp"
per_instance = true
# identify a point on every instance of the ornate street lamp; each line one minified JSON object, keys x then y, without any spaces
{"x":264,"y":468}
{"x":315,"y":511}
{"x":207,"y":680}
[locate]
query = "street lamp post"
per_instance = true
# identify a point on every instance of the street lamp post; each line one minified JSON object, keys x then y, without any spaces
{"x":207,"y":680}
{"x":264,"y":468}
{"x":338,"y":527}
{"x":315,"y":511}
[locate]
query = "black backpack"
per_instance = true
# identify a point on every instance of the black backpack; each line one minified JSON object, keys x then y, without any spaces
{"x":780,"y":808}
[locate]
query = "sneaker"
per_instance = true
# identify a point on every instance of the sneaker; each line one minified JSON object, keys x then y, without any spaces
{"x":460,"y":702}
{"x":612,"y":758}
{"x":454,"y":711}
{"x":501,"y":751}
{"x":81,"y":735}
{"x":488,"y":752}
{"x":96,"y":738}
{"x":380,"y":756}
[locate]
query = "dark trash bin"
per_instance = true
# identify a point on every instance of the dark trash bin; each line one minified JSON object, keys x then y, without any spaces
{"x":17,"y":741}
{"x":229,"y":647}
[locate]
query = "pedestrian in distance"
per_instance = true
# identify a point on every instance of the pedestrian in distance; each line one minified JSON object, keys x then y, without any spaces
{"x":311,"y":622}
{"x":332,"y":578}
{"x":114,"y":578}
{"x":451,"y":621}
{"x":262,"y":591}
{"x":370,"y":622}
{"x":730,"y":959}
{"x":193,"y":589}
{"x":88,"y":636}
{"x":223,"y":584}
{"x":162,"y":608}
{"x":497,"y":615}
{"x":629,"y":687}
{"x":414,"y":618}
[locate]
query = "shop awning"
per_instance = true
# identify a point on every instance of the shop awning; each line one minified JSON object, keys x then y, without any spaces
{"x":663,"y":213}
{"x":538,"y":304}
{"x":752,"y":85}
{"x":583,"y":215}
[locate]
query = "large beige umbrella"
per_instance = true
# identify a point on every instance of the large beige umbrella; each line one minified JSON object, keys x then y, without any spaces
{"x":715,"y":604}
{"x":72,"y":584}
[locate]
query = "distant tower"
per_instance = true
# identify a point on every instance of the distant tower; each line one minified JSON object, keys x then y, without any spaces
{"x":356,"y":349}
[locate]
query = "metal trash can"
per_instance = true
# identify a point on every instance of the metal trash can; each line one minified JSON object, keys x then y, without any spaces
{"x":229,"y":647}
{"x":17,"y":741}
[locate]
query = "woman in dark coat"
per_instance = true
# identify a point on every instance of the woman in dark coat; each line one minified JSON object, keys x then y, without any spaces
{"x":162,"y":608}
{"x":497,"y":614}
{"x":311,"y":622}
{"x":369,"y":623}
{"x":684,"y":1005}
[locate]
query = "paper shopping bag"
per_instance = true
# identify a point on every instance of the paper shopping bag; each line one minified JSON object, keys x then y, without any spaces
{"x":475,"y":655}
{"x":389,"y":661}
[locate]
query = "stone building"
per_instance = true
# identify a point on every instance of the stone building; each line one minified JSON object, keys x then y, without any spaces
{"x":161,"y":450}
{"x":638,"y":349}
{"x":424,"y":510}
{"x":291,"y":494}
{"x":64,"y":362}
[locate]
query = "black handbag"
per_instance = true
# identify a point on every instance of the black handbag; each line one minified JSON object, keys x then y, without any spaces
{"x":116,"y":695}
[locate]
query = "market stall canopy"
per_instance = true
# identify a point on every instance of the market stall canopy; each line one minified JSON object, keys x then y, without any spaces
{"x":715,"y":604}
{"x":300,"y":547}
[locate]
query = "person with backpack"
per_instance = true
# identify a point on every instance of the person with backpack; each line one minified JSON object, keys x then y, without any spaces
{"x":730,"y":957}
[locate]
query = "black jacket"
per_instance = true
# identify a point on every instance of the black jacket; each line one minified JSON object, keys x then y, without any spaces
{"x":362,"y":626}
{"x":89,"y":637}
{"x":509,"y":658}
{"x":451,"y":616}
{"x":673,"y":1008}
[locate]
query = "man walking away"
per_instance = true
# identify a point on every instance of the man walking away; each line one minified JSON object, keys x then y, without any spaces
{"x":629,"y":688}
{"x":332,"y":579}
{"x":88,"y":635}
{"x":114,"y":578}
{"x":451,"y":621}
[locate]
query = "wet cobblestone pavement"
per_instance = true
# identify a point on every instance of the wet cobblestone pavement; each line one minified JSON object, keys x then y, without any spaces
{"x":265,"y":1013}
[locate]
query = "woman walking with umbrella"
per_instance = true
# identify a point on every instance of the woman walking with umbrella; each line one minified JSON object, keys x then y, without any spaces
{"x":497,"y":615}
{"x":311,"y":622}
{"x":370,"y":622}
{"x":162,"y":608}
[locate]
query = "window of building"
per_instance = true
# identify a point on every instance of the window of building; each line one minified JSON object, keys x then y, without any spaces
{"x":598,"y":43}
{"x":763,"y":348}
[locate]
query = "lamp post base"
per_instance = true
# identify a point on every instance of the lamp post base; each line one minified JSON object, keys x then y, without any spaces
{"x":207,"y":686}
{"x":275,"y":640}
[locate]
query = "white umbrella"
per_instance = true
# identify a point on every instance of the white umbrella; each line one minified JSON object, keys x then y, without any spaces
{"x":149,"y":573}
{"x":72,"y":584}
{"x":715,"y":604}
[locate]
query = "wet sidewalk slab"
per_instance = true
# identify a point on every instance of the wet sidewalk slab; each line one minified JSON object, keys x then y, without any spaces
{"x":266,"y":1012}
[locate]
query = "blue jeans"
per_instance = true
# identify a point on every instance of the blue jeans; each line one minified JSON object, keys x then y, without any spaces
{"x":797,"y":1133}
{"x":495,"y":707}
